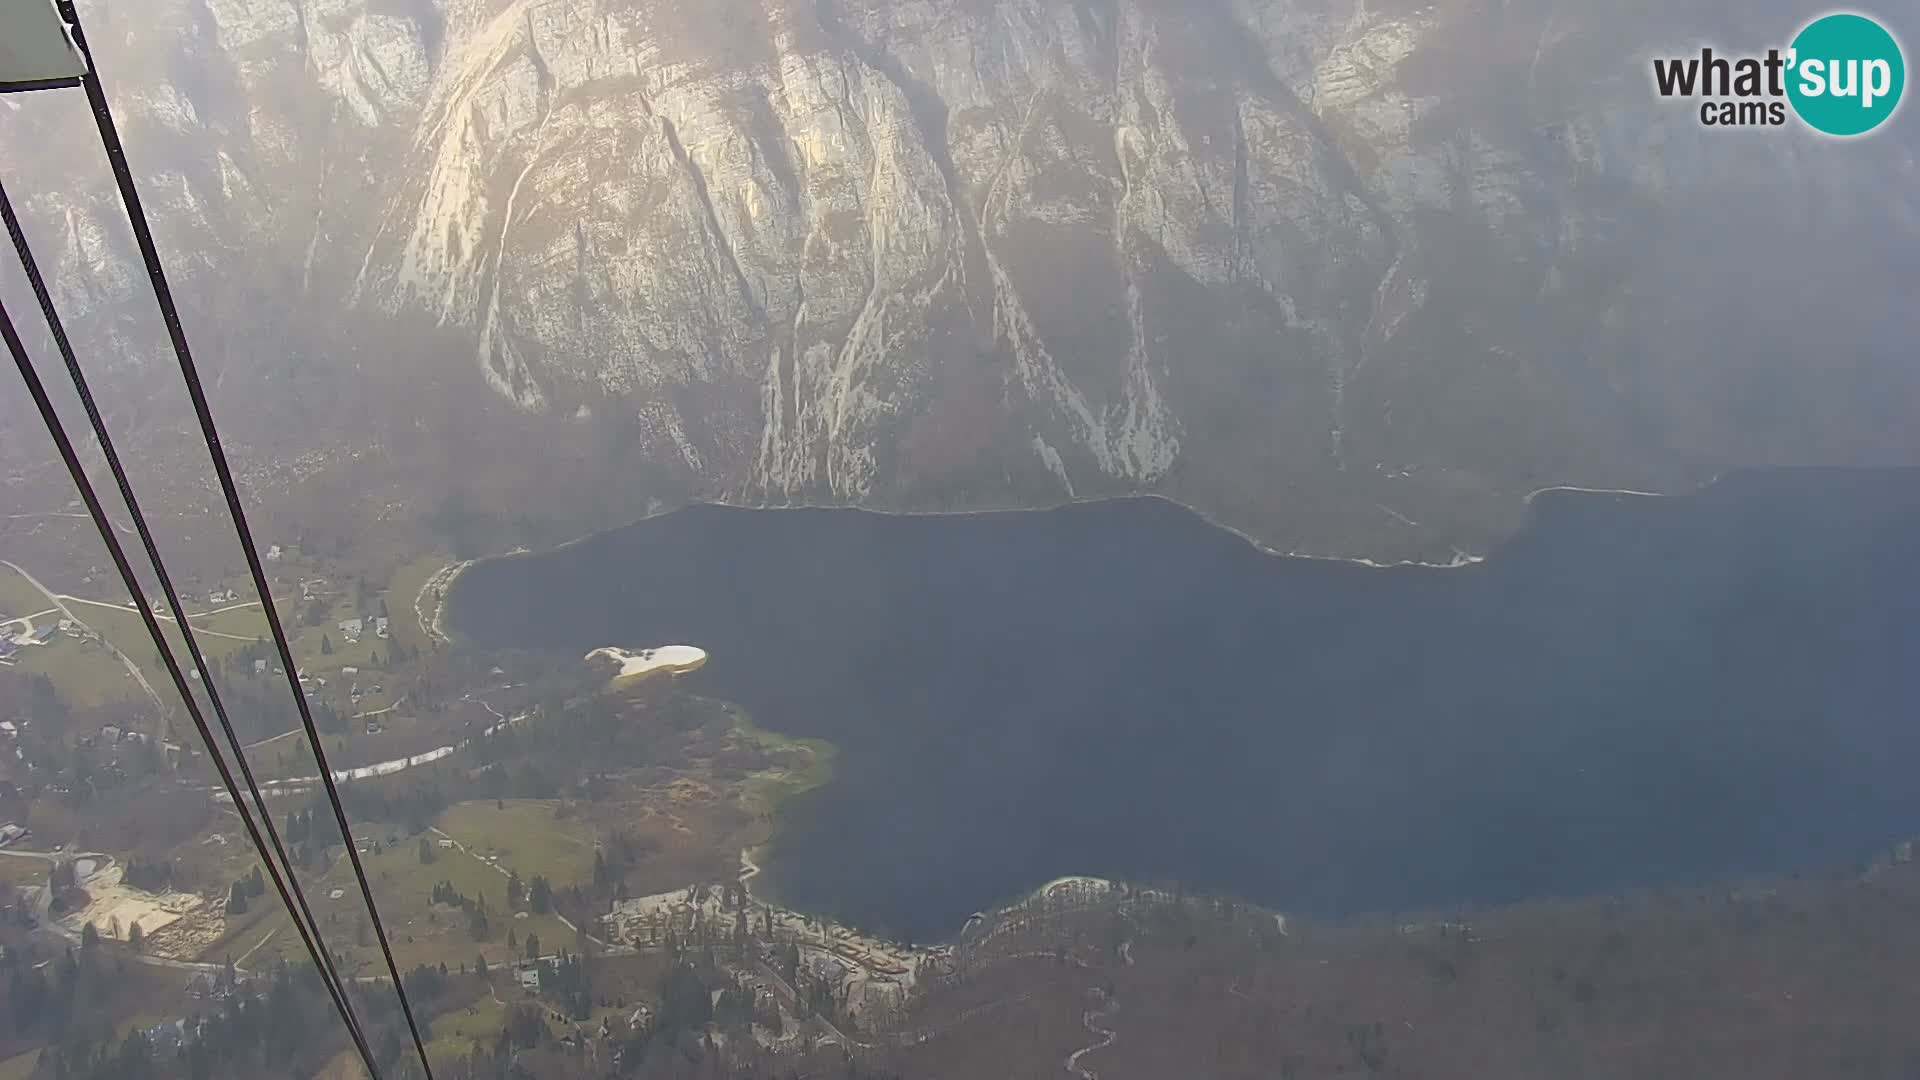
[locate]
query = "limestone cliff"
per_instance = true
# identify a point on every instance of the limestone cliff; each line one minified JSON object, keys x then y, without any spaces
{"x":1355,"y":276}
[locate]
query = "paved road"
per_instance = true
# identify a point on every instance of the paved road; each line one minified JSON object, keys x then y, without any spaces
{"x":1090,"y":1020}
{"x":164,"y":617}
{"x":120,"y":526}
{"x":793,"y":1004}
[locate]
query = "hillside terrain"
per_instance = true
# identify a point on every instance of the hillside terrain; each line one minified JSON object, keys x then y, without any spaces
{"x":1784,"y":978}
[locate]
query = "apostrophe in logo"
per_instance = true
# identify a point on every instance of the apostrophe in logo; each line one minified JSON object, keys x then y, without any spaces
{"x":1847,"y":74}
{"x":1843,"y":75}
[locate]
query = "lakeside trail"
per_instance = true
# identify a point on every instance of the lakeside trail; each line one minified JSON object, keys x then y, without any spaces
{"x":429,"y":604}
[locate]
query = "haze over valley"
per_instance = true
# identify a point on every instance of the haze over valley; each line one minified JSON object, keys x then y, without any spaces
{"x":1352,"y":278}
{"x":867,"y":539}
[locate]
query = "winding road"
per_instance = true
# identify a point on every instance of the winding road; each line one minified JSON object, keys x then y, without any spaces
{"x":1106,"y":1036}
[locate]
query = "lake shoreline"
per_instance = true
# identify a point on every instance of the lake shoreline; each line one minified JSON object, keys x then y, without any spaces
{"x":772,"y":788}
{"x":1117,"y":690}
{"x":1461,"y":561}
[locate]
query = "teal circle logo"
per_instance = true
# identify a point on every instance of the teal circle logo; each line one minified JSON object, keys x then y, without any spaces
{"x":1845,"y":75}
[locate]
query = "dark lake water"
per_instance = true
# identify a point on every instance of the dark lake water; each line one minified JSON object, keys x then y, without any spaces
{"x":1633,"y":691}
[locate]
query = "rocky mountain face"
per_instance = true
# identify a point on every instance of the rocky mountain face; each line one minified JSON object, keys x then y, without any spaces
{"x":1354,"y":276}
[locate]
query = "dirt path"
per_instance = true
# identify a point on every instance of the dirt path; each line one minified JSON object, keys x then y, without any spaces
{"x":1090,"y":1019}
{"x":26,"y":621}
{"x":163,"y":617}
{"x":268,"y":936}
{"x":507,"y":873}
{"x":118,"y":526}
{"x":291,"y":732}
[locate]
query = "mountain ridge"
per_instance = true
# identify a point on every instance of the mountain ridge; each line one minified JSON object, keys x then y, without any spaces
{"x":1352,"y":278}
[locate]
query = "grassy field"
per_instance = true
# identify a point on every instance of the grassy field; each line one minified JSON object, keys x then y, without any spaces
{"x":402,"y":589}
{"x":455,"y":1031}
{"x":92,"y":676}
{"x":17,"y":598}
{"x":526,"y":836}
{"x":142,"y":997}
{"x":311,"y":642}
{"x":402,"y":885}
{"x":123,"y":627}
{"x":773,"y":786}
{"x":344,"y":1066}
{"x":19,"y":1066}
{"x":86,"y":673}
{"x":89,"y":675}
{"x":248,"y":622}
{"x":22,"y":870}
